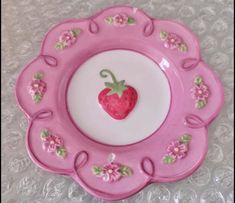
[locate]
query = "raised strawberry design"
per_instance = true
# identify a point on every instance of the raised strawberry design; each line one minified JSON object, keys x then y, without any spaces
{"x":117,"y":99}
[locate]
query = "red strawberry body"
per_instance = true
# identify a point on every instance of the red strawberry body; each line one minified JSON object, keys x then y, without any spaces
{"x":117,"y":99}
{"x":118,"y":107}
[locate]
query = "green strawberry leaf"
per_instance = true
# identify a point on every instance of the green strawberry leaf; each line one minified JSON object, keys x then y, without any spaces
{"x":44,"y":133}
{"x":96,"y":170}
{"x":61,"y":152}
{"x":163,"y":35}
{"x":198,"y":80}
{"x":168,"y":159}
{"x":117,"y":87}
{"x":38,"y":76}
{"x":37,"y":97}
{"x":125,"y":171}
{"x":131,"y":21}
{"x":183,"y":47}
{"x":185,"y":138}
{"x":200,"y":104}
{"x":109,"y":85}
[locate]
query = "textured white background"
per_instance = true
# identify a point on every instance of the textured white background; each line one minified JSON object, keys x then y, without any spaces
{"x":24,"y":23}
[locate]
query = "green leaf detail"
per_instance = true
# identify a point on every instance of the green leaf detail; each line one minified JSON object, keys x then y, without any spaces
{"x":76,"y":32}
{"x":38,"y":76}
{"x":37,"y":98}
{"x":198,"y":80}
{"x":200,"y":104}
{"x":131,"y":21}
{"x":116,"y":87}
{"x":44,"y":133}
{"x":186,"y":138}
{"x":183,"y":47}
{"x":109,"y":85}
{"x":168,"y":159}
{"x":163,"y":35}
{"x":59,"y":45}
{"x":125,"y":171}
{"x":61,"y":152}
{"x":96,"y":170}
{"x":109,"y":20}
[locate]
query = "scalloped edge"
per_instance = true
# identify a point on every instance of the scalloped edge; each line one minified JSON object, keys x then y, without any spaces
{"x":149,"y":181}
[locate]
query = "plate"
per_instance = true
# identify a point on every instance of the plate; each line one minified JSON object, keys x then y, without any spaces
{"x":119,"y":100}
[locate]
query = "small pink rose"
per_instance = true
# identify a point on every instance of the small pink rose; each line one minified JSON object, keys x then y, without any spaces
{"x":37,"y":86}
{"x":67,"y":38}
{"x":110,"y":172}
{"x":52,"y":142}
{"x":172,"y":41}
{"x":177,"y":150}
{"x":200,"y":92}
{"x":120,"y":20}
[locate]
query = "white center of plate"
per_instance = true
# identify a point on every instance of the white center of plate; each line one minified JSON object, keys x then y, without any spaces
{"x":139,"y":72}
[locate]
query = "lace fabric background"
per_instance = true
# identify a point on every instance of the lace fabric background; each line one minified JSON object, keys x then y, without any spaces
{"x":24,"y":24}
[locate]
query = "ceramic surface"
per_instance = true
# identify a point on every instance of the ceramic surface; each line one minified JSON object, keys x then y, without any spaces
{"x":138,"y":71}
{"x":175,"y":150}
{"x":24,"y":182}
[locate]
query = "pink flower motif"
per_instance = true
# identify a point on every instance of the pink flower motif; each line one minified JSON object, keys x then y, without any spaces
{"x":177,"y":149}
{"x":120,"y":20}
{"x":68,"y":38}
{"x":52,"y":142}
{"x":110,"y":172}
{"x":37,"y":87}
{"x":172,"y":41}
{"x":200,"y":92}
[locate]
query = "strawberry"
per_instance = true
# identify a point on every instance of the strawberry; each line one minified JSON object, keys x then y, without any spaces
{"x":117,"y":99}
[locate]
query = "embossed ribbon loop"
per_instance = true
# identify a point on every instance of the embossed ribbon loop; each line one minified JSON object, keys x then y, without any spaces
{"x":93,"y":27}
{"x":194,"y":121}
{"x":148,"y":28}
{"x":147,"y":166}
{"x":80,"y":160}
{"x":190,"y":63}
{"x":42,"y":114}
{"x":50,"y":60}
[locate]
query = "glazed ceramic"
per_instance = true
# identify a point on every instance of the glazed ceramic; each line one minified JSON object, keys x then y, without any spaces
{"x":162,"y":139}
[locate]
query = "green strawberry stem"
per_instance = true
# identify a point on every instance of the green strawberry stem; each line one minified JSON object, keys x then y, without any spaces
{"x":117,"y":87}
{"x":110,"y":73}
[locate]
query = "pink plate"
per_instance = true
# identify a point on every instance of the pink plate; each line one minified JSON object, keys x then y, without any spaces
{"x":86,"y":122}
